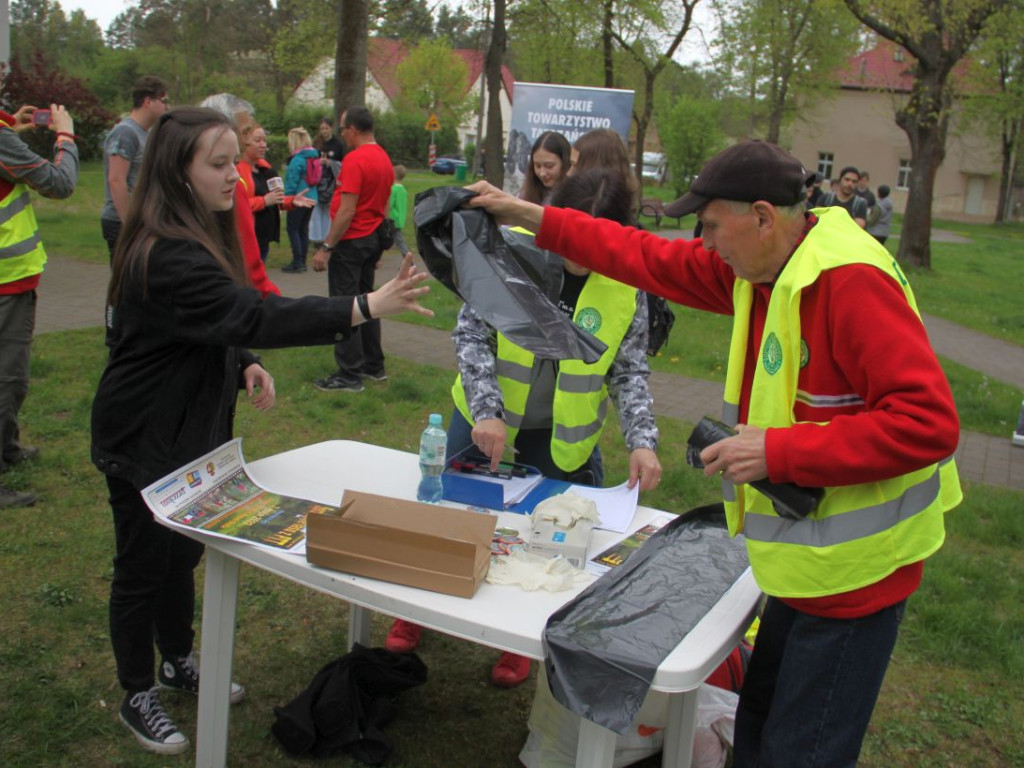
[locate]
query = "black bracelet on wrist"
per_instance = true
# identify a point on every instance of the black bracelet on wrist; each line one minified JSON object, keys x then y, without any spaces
{"x":364,"y":306}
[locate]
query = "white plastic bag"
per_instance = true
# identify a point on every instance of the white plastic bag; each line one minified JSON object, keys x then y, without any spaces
{"x":554,"y":730}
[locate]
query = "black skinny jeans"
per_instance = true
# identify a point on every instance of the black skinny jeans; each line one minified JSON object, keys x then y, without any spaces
{"x":152,"y":596}
{"x":350,"y":271}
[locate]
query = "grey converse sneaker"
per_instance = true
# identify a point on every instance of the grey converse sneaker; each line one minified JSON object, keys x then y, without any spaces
{"x":146,"y":719}
{"x":182,"y":674}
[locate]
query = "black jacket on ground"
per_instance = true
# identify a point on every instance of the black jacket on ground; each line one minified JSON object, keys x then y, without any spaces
{"x":347,"y":705}
{"x":168,"y":393}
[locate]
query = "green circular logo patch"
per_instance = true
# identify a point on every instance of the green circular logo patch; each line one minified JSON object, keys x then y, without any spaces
{"x":805,"y":354}
{"x":771,"y":354}
{"x":589,"y":319}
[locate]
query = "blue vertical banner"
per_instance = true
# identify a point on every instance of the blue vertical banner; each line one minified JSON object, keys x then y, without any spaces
{"x":570,"y":110}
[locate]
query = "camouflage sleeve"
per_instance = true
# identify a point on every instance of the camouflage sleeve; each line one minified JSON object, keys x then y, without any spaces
{"x":476,"y":355}
{"x":627,"y":384}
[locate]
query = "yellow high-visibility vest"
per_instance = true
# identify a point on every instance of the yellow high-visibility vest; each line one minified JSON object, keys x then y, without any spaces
{"x":21,"y":250}
{"x":860,"y":533}
{"x":605,"y":309}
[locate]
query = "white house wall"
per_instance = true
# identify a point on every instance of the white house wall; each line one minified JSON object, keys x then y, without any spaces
{"x":313,"y":92}
{"x":859,"y":128}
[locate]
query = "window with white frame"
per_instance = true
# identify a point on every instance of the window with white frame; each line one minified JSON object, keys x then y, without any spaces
{"x":826,"y":162}
{"x":903,"y":175}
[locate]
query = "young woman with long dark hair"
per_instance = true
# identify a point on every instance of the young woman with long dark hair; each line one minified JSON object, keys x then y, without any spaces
{"x":549,"y":162}
{"x":182,"y":311}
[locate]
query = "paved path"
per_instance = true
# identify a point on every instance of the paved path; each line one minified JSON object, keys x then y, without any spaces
{"x":72,"y":296}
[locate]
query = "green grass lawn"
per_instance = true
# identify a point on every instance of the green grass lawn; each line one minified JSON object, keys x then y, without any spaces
{"x":951,"y":697}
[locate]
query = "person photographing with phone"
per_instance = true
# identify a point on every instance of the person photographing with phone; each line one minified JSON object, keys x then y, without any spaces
{"x":22,"y":259}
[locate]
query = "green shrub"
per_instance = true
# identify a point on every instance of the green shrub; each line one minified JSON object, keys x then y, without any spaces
{"x":402,"y":135}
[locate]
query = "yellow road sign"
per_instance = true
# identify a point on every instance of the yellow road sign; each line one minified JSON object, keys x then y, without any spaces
{"x":433,"y":124}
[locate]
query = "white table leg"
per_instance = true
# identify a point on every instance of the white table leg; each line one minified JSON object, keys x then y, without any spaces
{"x":595,"y":747}
{"x":220,"y":599}
{"x":359,"y":620}
{"x":682,"y":721}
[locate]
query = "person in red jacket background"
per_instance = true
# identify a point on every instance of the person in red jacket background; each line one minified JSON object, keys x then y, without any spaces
{"x":240,"y":113}
{"x":255,"y":173}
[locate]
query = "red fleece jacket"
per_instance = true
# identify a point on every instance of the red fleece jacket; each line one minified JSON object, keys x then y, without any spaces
{"x":864,"y":340}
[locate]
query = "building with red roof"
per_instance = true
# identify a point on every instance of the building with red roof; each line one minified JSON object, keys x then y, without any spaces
{"x":382,"y":89}
{"x":858,"y":127}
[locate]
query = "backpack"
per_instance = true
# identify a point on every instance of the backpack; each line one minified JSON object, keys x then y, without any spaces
{"x":314,"y":171}
{"x":325,"y":188}
{"x":660,"y":319}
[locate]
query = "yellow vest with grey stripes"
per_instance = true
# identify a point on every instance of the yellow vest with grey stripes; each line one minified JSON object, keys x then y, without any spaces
{"x":605,"y":309}
{"x":21,"y":250}
{"x":860,"y":533}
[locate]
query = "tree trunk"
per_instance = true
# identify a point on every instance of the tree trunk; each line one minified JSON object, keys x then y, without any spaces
{"x":925,"y":120}
{"x":1009,"y":141}
{"x":607,"y":43}
{"x":350,"y":55}
{"x":492,"y":67}
{"x":774,"y":122}
{"x":643,"y":120}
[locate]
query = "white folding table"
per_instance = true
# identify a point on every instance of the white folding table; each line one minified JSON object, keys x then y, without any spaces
{"x":502,"y":617}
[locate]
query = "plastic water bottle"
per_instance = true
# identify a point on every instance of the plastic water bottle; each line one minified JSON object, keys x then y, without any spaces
{"x":433,"y":444}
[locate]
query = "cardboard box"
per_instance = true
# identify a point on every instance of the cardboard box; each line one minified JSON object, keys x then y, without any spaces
{"x":549,"y":539}
{"x":406,"y":542}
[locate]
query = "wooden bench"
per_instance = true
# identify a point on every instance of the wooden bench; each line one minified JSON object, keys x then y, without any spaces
{"x":655,"y":208}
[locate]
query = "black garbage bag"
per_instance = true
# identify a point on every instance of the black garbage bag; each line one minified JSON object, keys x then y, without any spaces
{"x":347,"y":705}
{"x":510,"y":282}
{"x":601,"y":650}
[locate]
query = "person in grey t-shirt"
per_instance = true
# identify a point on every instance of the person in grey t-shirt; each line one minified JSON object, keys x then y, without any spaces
{"x":122,"y":153}
{"x":880,"y":218}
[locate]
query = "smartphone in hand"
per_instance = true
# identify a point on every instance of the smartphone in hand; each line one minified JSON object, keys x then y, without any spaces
{"x":41,"y":117}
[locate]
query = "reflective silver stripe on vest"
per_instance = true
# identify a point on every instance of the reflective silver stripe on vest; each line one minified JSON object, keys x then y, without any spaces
{"x":828,"y":401}
{"x":847,"y":526}
{"x":20,"y":249}
{"x":514,"y":371}
{"x":15,"y":207}
{"x":580,"y":383}
{"x":582,"y":432}
{"x":513,"y":420}
{"x":728,"y":490}
{"x":730,"y":414}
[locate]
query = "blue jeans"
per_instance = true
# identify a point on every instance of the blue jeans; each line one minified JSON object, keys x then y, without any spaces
{"x":534,"y":446}
{"x":297,"y":224}
{"x":811,"y":687}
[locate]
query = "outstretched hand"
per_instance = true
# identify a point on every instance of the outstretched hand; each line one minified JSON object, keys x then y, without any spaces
{"x":301,"y":201}
{"x":504,"y":207}
{"x":401,"y":292}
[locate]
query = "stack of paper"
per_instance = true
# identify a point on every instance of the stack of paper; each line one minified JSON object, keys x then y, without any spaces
{"x":513,"y":488}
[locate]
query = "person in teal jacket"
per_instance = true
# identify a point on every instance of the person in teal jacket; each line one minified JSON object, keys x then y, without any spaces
{"x":399,"y":208}
{"x":297,"y":223}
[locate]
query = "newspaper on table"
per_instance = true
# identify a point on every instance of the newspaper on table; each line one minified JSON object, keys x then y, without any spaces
{"x":215,"y":494}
